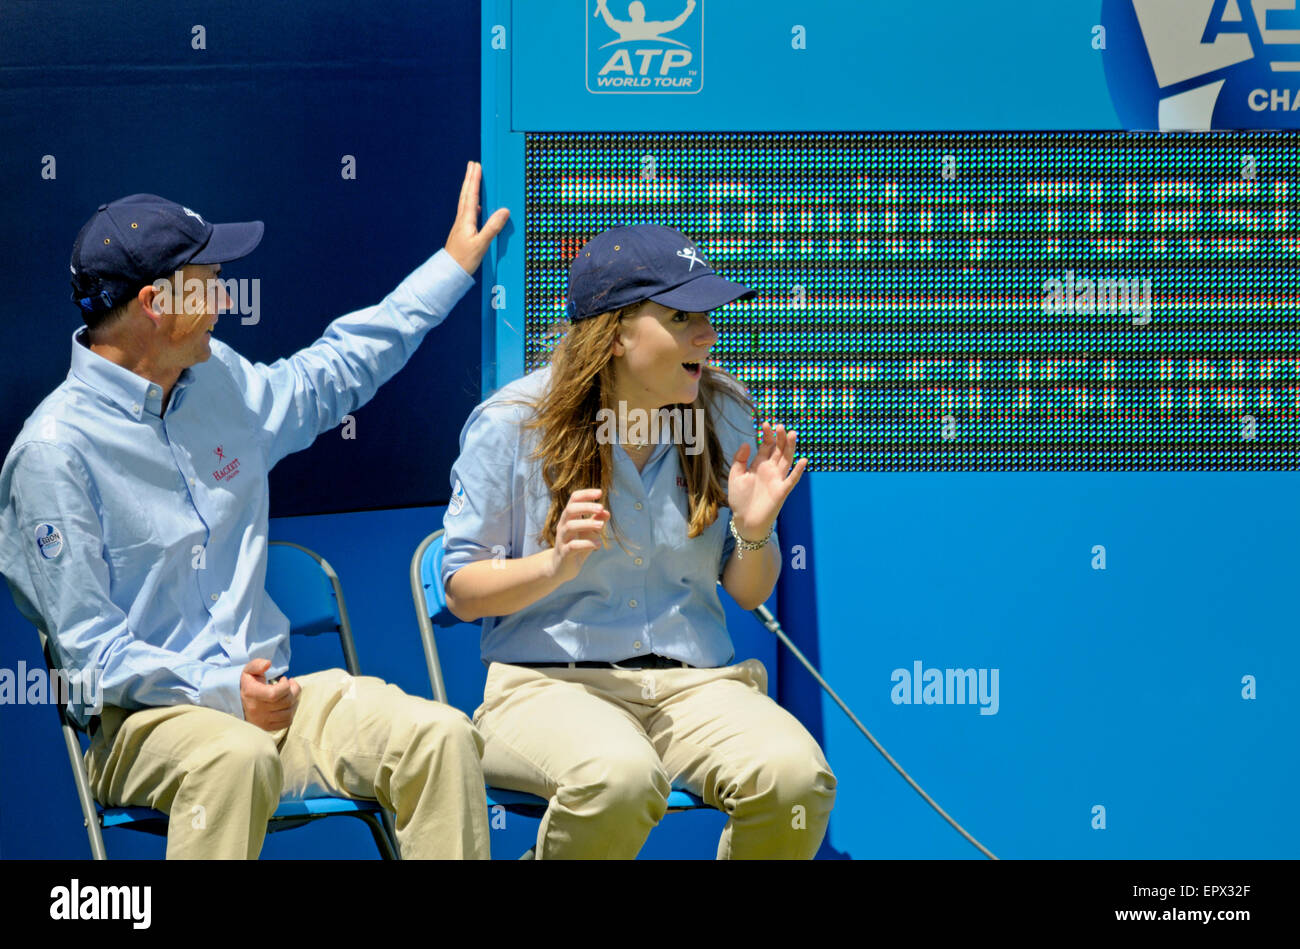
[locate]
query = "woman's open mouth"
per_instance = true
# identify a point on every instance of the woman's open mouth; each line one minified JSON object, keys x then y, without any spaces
{"x":692,"y":369}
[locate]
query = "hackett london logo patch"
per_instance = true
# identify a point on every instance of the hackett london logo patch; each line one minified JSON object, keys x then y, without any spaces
{"x":49,"y":541}
{"x":229,"y":470}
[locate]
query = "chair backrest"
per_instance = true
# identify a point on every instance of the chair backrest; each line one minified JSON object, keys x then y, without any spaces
{"x":461,"y":651}
{"x":431,"y":605}
{"x":307,"y":590}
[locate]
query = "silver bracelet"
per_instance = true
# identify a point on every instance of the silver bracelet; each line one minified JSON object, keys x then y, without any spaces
{"x":743,"y":545}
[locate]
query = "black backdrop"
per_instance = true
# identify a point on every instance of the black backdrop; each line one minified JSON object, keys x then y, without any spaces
{"x":254,"y":127}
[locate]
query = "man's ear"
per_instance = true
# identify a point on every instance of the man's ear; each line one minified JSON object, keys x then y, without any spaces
{"x":155,"y":300}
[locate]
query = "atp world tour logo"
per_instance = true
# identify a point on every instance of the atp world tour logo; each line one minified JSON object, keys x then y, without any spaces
{"x":645,"y":46}
{"x":1203,"y":64}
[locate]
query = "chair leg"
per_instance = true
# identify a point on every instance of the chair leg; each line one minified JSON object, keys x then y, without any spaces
{"x":379,"y":831}
{"x":390,"y":832}
{"x":97,"y":851}
{"x":89,"y":816}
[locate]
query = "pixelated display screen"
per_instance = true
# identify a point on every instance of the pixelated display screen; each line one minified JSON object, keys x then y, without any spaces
{"x":981,"y":301}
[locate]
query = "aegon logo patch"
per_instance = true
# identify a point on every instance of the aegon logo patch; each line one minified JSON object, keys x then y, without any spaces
{"x":457,"y":503}
{"x":645,"y":46}
{"x":1203,"y":64}
{"x":49,"y":541}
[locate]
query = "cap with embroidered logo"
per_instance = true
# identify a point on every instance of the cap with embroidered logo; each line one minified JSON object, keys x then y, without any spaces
{"x":627,"y":264}
{"x":131,"y":242}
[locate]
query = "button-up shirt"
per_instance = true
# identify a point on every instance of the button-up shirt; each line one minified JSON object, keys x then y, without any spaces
{"x":137,"y":538}
{"x":655,"y":593}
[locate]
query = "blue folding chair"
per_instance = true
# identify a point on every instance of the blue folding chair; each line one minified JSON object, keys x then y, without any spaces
{"x":306,"y":589}
{"x":431,"y":610}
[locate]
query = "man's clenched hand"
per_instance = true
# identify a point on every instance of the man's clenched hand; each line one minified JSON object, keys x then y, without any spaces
{"x":269,"y":707}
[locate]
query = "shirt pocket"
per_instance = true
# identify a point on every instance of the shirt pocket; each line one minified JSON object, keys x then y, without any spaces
{"x":132,"y":541}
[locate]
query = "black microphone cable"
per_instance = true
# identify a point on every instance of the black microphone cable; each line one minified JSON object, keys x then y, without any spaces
{"x":767,"y":619}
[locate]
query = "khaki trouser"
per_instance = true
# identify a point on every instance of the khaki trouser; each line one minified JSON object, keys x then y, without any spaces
{"x":607,"y":745}
{"x":220,"y":778}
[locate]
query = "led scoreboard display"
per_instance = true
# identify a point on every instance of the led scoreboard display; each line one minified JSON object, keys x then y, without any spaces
{"x":973,"y":301}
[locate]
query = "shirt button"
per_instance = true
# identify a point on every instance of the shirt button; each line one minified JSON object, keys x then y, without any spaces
{"x":155,"y":392}
{"x":637,"y":561}
{"x":631,"y":602}
{"x":191,"y":482}
{"x":637,"y":505}
{"x":214,"y":598}
{"x":637,"y":644}
{"x":135,"y":407}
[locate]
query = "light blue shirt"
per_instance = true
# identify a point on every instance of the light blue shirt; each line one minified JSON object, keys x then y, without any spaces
{"x":658,"y":596}
{"x":137,"y":539}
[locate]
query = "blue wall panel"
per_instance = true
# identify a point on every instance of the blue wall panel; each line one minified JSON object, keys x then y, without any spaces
{"x":1119,"y":687}
{"x":943,"y":64}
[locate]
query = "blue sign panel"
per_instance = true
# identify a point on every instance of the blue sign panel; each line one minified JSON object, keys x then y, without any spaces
{"x":1204,"y":64}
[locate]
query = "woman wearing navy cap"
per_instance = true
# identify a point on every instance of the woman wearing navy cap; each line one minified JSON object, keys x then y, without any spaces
{"x":587,"y":529}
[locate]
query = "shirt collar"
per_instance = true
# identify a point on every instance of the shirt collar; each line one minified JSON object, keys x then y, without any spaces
{"x":133,"y":394}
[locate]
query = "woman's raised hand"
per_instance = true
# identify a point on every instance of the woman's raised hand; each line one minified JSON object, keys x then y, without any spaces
{"x":756,"y":492}
{"x":582,"y":523}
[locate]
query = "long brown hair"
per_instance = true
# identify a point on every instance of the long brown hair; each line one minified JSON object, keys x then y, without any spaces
{"x":581,"y":384}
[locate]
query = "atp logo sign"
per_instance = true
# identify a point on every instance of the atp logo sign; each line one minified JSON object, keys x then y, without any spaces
{"x":1204,"y":64}
{"x":644,"y":46}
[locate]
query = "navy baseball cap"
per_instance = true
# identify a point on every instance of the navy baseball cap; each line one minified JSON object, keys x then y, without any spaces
{"x":131,"y":242}
{"x":631,"y":263}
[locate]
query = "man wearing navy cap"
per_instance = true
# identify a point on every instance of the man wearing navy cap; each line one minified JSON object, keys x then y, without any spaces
{"x":133,"y":520}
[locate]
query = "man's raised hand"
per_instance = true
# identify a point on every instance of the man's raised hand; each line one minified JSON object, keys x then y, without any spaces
{"x":467,"y":243}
